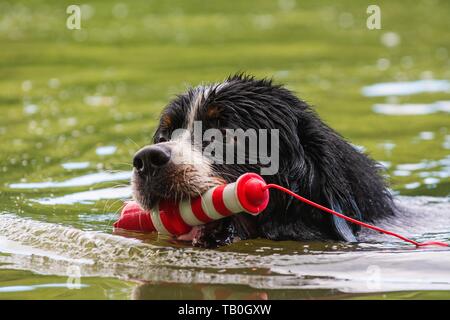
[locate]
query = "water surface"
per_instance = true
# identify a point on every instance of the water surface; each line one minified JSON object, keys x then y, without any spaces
{"x":76,"y":104}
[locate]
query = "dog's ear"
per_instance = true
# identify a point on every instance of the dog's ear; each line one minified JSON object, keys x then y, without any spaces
{"x":342,"y":228}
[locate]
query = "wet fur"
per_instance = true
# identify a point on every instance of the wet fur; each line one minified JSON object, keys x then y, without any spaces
{"x":315,"y":162}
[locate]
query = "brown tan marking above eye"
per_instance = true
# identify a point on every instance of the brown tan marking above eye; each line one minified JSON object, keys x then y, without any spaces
{"x":213,"y":111}
{"x":166,"y":121}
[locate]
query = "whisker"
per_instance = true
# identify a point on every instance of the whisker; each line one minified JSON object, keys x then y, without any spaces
{"x":134,"y":142}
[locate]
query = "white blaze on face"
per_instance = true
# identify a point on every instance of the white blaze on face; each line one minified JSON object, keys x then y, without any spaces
{"x":187,"y":143}
{"x":185,"y":146}
{"x":185,"y":152}
{"x":201,"y":95}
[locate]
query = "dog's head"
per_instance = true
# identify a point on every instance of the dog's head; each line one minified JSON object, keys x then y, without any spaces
{"x":213,"y":134}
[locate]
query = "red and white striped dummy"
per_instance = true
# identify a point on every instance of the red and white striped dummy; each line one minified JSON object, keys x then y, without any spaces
{"x":247,"y":194}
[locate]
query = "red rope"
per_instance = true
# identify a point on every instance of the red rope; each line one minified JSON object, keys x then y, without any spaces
{"x":363,"y":224}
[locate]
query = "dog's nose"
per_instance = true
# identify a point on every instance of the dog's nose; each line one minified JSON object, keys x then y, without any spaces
{"x":154,"y":156}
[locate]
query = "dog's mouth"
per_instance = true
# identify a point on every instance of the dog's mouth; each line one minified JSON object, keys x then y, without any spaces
{"x":172,"y":184}
{"x":149,"y":191}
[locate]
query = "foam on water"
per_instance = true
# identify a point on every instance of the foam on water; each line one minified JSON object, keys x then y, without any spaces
{"x":50,"y":249}
{"x":406,"y":88}
{"x":85,"y":180}
{"x":101,"y":254}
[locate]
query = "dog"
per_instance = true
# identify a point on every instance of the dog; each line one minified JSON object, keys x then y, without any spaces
{"x":314,"y":161}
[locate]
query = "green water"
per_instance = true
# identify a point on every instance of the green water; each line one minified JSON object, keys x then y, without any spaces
{"x":65,"y":94}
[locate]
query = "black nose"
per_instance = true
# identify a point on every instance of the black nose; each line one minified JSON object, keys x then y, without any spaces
{"x":151,"y":157}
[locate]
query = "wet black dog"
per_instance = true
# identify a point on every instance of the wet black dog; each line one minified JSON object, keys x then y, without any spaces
{"x":314,"y":161}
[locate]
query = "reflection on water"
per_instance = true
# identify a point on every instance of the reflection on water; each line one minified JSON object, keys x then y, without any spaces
{"x":75,"y":165}
{"x":98,"y":101}
{"x":21,"y":284}
{"x":446,"y":144}
{"x":394,"y":109}
{"x":405,"y":88}
{"x":86,"y":197}
{"x":257,"y":269}
{"x":64,"y":124}
{"x":378,"y":264}
{"x":412,"y":185}
{"x":428,"y":172}
{"x":85,"y":180}
{"x":106,"y":150}
{"x":30,"y":109}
